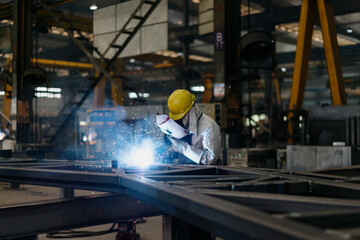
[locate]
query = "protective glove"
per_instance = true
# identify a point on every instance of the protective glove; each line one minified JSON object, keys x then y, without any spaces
{"x":177,"y":145}
{"x":193,"y":153}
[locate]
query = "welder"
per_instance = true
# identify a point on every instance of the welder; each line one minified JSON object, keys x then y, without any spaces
{"x":201,"y":141}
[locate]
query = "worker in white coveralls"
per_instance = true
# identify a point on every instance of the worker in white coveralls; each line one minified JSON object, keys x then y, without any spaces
{"x":201,"y":141}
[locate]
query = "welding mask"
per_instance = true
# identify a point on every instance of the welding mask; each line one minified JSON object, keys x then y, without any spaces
{"x":170,"y":127}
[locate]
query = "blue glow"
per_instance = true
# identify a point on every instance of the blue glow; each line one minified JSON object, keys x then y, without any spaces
{"x":140,"y":155}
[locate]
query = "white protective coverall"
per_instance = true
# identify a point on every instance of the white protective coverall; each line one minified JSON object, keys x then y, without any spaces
{"x":205,"y":138}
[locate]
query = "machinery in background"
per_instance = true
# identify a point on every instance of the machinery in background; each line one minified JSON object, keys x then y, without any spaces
{"x":311,"y":158}
{"x":252,"y":157}
{"x":99,"y":121}
{"x":215,"y":111}
{"x":333,"y":136}
{"x":297,"y":119}
{"x":329,"y":124}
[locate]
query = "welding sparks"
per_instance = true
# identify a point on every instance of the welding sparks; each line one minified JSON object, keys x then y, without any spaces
{"x":140,"y":155}
{"x":133,"y":143}
{"x":143,"y":155}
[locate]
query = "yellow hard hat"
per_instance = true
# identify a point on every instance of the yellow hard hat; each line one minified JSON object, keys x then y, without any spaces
{"x":179,"y":103}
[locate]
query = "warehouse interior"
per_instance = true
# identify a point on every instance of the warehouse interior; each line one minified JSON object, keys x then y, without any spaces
{"x":84,"y":82}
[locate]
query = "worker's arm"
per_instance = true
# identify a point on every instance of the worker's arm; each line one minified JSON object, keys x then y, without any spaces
{"x":202,"y":153}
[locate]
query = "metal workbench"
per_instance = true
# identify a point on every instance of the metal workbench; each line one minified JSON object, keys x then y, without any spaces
{"x":233,"y":203}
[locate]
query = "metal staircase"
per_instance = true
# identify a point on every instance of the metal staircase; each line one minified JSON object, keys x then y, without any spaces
{"x":101,"y":64}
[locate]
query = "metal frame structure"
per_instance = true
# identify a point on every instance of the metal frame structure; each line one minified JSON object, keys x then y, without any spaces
{"x":104,"y":66}
{"x":306,"y":26}
{"x":229,"y":202}
{"x":303,"y":49}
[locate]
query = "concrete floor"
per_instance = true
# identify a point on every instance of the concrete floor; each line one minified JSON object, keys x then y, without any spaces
{"x":150,"y":230}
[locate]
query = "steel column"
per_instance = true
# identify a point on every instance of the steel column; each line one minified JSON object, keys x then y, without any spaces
{"x":219,"y":53}
{"x":230,"y":64}
{"x":22,"y":47}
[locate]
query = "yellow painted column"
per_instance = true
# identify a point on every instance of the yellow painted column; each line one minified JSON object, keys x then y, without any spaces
{"x":327,"y":21}
{"x":99,"y":94}
{"x":208,"y":85}
{"x":8,"y":93}
{"x":303,"y":47}
{"x":117,"y":84}
{"x":117,"y":92}
{"x":7,"y":102}
{"x":277,"y":86}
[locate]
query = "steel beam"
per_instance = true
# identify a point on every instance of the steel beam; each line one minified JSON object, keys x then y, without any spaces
{"x":335,"y":219}
{"x":47,"y":216}
{"x":194,"y":208}
{"x":105,"y":182}
{"x":347,"y":54}
{"x":292,"y":14}
{"x":219,"y":212}
{"x":353,"y":171}
{"x":318,"y":186}
{"x":62,"y":64}
{"x":169,"y":71}
{"x":201,"y":211}
{"x":282,"y":203}
{"x":85,"y":24}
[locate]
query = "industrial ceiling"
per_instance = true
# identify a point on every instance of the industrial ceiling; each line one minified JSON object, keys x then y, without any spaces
{"x":157,"y":72}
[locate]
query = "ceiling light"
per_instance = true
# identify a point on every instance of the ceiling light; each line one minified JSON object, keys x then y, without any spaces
{"x":93,"y":6}
{"x":198,"y":88}
{"x":144,"y":95}
{"x":132,"y":60}
{"x":41,"y":89}
{"x":132,"y":95}
{"x":349,"y":30}
{"x":56,"y":90}
{"x":283,"y":69}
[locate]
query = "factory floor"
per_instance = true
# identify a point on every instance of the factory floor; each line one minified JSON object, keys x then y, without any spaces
{"x":150,"y":230}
